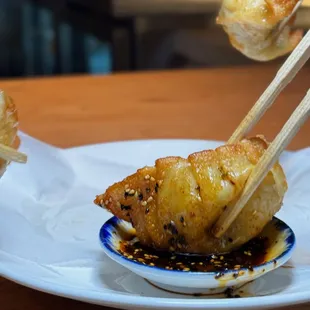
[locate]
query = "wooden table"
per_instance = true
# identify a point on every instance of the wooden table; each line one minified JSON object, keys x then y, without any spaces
{"x":208,"y":104}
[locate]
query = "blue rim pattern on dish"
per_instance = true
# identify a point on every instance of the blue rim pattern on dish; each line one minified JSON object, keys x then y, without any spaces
{"x":106,"y":234}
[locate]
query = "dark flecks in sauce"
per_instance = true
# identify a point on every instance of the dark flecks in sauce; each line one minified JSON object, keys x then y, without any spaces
{"x":229,"y":293}
{"x":234,"y":260}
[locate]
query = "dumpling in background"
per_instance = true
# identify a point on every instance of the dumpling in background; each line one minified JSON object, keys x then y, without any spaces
{"x":252,"y":27}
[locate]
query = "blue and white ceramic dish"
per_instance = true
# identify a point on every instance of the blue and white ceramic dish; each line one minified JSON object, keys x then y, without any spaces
{"x":116,"y":232}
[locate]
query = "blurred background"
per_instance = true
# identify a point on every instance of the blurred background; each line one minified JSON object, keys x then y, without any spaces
{"x":55,"y":37}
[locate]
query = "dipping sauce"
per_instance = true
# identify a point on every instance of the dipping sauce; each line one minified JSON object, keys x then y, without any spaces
{"x":250,"y":254}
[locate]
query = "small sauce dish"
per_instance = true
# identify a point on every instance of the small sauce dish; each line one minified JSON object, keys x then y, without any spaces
{"x":199,"y":274}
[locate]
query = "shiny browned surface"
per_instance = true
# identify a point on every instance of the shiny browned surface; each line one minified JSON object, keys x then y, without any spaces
{"x":174,"y":205}
{"x":181,"y":104}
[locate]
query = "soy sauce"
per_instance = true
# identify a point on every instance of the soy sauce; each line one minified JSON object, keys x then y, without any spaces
{"x":250,"y":254}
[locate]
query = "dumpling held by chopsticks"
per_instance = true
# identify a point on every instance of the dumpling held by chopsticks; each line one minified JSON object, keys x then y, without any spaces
{"x":252,"y":27}
{"x":174,"y":204}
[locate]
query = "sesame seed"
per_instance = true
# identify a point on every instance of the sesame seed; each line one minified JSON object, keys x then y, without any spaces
{"x":130,"y":256}
{"x":152,"y":264}
{"x":110,"y":199}
{"x":143,"y":203}
{"x":147,"y":177}
{"x":222,"y":258}
{"x":178,"y":263}
{"x":106,"y":202}
{"x":150,"y":199}
{"x":126,"y":186}
{"x":127,"y":190}
{"x":193,"y":263}
{"x":201,"y":263}
{"x":186,"y":269}
{"x":132,"y":192}
{"x":173,"y":257}
{"x":101,"y":201}
{"x":152,"y":179}
{"x":237,"y":266}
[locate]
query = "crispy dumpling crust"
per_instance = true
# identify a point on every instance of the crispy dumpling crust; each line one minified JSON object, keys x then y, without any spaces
{"x":174,"y":204}
{"x":8,"y":127}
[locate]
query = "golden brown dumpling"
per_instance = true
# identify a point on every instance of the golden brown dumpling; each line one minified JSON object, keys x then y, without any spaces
{"x":174,"y":204}
{"x":251,"y":26}
{"x":8,"y":126}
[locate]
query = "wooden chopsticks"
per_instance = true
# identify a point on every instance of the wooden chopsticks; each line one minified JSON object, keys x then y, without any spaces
{"x":10,"y":154}
{"x":284,"y":76}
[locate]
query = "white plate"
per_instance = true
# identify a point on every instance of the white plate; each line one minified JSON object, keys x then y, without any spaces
{"x":49,"y":228}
